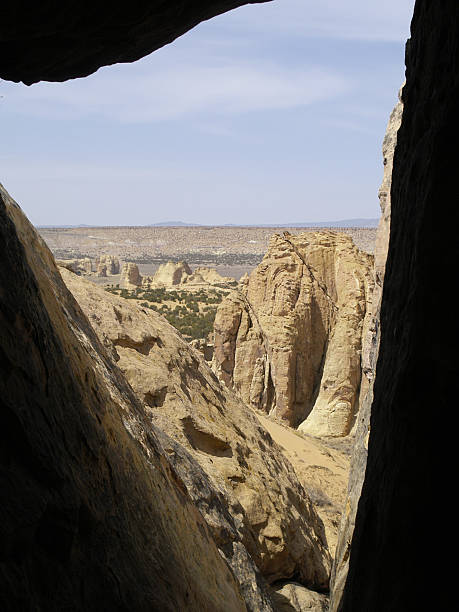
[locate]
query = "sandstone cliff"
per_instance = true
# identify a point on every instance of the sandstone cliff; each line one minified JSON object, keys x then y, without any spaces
{"x":93,"y":510}
{"x":289,"y":341}
{"x":270,"y":512}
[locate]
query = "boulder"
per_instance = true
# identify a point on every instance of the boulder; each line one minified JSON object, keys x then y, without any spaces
{"x":294,"y":597}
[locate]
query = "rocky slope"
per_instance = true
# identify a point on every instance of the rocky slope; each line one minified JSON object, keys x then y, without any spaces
{"x":268,"y":510}
{"x":289,"y":340}
{"x":92,"y":508}
{"x":323,"y":471}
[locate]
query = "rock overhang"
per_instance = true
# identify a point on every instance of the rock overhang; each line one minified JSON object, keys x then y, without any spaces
{"x":48,"y":41}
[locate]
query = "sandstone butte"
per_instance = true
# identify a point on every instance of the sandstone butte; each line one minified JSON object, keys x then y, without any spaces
{"x":169,"y":275}
{"x":252,"y":499}
{"x":102,"y":266}
{"x":289,"y":340}
{"x":130,"y":276}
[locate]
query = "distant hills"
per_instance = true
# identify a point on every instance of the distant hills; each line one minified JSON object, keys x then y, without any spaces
{"x":343,"y":223}
{"x":364,"y":223}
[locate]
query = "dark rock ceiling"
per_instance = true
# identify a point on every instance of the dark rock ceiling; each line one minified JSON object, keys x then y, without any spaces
{"x":55,"y":41}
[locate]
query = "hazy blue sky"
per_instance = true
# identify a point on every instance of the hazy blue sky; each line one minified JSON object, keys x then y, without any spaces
{"x":272,"y":113}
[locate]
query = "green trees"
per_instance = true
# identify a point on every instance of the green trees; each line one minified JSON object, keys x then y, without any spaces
{"x":192,"y":313}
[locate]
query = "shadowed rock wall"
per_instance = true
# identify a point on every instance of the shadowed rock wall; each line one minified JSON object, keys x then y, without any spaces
{"x":393,"y":558}
{"x":369,"y":358}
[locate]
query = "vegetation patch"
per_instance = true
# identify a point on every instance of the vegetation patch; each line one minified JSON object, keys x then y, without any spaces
{"x":192,"y":313}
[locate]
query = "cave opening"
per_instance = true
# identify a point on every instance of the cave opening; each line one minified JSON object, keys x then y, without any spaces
{"x":388,"y":520}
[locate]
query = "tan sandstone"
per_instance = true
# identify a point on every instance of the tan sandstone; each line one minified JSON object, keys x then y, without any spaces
{"x":130,"y":276}
{"x":109,"y":263}
{"x":289,"y":340}
{"x":277,"y":521}
{"x":171,"y":273}
{"x":294,"y":597}
{"x":85,"y":469}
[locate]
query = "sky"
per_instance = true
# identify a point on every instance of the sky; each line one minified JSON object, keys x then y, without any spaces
{"x":271,"y":113}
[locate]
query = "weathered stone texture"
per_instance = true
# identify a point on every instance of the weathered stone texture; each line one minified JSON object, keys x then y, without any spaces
{"x":289,"y":340}
{"x":271,"y":514}
{"x":130,"y":276}
{"x":92,"y":510}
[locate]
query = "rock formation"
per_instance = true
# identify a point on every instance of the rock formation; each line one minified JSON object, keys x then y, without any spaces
{"x":102,"y":266}
{"x":62,"y":450}
{"x":369,"y":358}
{"x":92,"y":509}
{"x":110,"y":263}
{"x":87,"y":40}
{"x":173,"y":273}
{"x":293,"y":597}
{"x":323,"y":470}
{"x":273,"y":515}
{"x":130,"y":276}
{"x":289,"y":342}
{"x":207,"y":276}
{"x":170,"y":274}
{"x":79,"y":266}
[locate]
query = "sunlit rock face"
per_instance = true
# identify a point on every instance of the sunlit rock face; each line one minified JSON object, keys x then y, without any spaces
{"x":268,"y":513}
{"x":49,"y":41}
{"x":289,"y":341}
{"x":130,"y":276}
{"x":92,"y":510}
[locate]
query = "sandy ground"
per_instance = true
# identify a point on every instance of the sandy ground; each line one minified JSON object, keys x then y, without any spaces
{"x":323,"y":472}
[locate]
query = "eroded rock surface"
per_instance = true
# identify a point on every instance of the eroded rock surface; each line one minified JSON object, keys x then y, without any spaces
{"x":273,"y":515}
{"x":294,"y":597}
{"x":171,"y":273}
{"x":110,"y":263}
{"x":322,"y":470}
{"x":289,"y":340}
{"x":130,"y":276}
{"x":92,"y":509}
